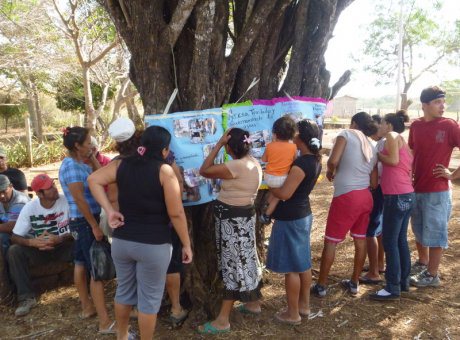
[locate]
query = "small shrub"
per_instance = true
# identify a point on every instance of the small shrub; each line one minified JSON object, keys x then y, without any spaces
{"x":50,"y":151}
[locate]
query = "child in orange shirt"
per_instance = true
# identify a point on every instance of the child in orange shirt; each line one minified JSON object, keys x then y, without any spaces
{"x":279,"y":155}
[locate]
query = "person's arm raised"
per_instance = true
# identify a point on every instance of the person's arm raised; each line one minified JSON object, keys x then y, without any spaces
{"x":209,"y":169}
{"x":175,"y":209}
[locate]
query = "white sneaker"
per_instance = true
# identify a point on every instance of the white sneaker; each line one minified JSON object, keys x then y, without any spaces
{"x":425,"y":279}
{"x":25,"y":306}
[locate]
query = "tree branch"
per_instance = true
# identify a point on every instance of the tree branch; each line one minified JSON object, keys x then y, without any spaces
{"x":244,"y":41}
{"x":103,"y":53}
{"x":180,"y":16}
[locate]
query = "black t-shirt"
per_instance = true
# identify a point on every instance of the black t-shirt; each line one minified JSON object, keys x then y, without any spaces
{"x":142,"y":203}
{"x":298,"y":206}
{"x":16,"y":177}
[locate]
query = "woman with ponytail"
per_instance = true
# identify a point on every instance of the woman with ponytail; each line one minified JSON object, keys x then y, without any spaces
{"x":235,"y":219}
{"x":149,"y":198}
{"x":398,"y":201}
{"x":289,"y":247}
{"x":84,"y":220}
{"x":352,"y":166}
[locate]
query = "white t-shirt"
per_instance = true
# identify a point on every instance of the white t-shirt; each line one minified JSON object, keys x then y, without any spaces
{"x":35,"y":219}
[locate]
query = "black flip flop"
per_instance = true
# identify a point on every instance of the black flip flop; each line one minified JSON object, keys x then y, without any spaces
{"x":366,"y":281}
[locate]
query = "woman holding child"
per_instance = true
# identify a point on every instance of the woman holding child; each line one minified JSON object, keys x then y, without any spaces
{"x":235,"y":219}
{"x":398,"y":193}
{"x":289,"y":248}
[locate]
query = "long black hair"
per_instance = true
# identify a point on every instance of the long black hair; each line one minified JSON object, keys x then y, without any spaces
{"x":74,"y":135}
{"x":239,"y":142}
{"x":309,"y":135}
{"x":365,"y":123}
{"x":153,"y":141}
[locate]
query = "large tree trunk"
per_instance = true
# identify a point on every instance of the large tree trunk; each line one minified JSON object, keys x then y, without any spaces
{"x":211,"y":51}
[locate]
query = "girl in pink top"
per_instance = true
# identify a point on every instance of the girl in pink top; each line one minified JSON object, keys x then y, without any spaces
{"x":398,"y":193}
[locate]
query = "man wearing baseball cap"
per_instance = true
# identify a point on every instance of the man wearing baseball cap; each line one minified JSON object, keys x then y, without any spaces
{"x":16,"y":176}
{"x":11,"y":203}
{"x":40,"y":236}
{"x":432,"y":139}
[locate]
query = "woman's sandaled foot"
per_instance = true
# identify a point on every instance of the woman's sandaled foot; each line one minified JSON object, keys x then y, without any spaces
{"x":244,"y":309}
{"x":365,"y":279}
{"x":283,"y":317}
{"x":178,"y":319}
{"x":111,"y":329}
{"x":209,"y":328}
{"x":86,"y":314}
{"x":304,"y":312}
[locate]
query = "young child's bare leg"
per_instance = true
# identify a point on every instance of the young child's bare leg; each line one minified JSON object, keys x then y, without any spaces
{"x":272,"y":203}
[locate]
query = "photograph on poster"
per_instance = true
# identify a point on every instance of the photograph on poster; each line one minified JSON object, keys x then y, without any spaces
{"x":214,"y":186}
{"x":207,"y":149}
{"x":192,"y":181}
{"x":295,"y":116}
{"x":194,"y":128}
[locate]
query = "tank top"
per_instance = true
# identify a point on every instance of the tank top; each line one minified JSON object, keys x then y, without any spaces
{"x":397,"y":179}
{"x":142,"y":203}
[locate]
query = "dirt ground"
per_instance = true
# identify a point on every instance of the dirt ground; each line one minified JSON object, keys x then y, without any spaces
{"x":424,"y":313}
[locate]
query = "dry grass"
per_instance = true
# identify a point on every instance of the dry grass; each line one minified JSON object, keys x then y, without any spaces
{"x":428,"y":313}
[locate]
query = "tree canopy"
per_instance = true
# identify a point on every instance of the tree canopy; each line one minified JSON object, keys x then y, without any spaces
{"x":425,"y":42}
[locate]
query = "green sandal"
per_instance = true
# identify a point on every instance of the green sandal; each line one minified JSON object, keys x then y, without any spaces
{"x":210,"y":329}
{"x":244,"y":310}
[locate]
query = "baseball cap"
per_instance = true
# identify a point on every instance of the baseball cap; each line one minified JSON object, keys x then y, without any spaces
{"x":4,"y":182}
{"x":41,"y":182}
{"x":2,"y":152}
{"x":122,"y":129}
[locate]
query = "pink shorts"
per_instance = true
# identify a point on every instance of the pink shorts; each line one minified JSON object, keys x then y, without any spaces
{"x":349,"y":212}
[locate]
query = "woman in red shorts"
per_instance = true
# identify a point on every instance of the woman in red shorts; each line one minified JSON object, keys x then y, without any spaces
{"x":352,"y":168}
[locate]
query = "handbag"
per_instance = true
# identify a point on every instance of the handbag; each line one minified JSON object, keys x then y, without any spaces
{"x":102,"y":267}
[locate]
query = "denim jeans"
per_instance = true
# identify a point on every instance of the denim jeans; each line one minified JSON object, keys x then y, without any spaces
{"x":84,"y":237}
{"x":396,"y":213}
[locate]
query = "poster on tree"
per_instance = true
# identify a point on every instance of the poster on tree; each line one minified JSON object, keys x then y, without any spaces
{"x":194,"y":134}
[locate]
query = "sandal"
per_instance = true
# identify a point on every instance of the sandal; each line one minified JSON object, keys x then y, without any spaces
{"x":366,"y":269}
{"x":287,"y":322}
{"x":210,"y":329}
{"x":367,"y":281}
{"x":111,"y":330}
{"x":86,"y":316}
{"x":177,"y":320}
{"x":244,"y":310}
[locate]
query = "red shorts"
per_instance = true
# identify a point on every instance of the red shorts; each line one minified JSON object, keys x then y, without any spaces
{"x":349,"y":212}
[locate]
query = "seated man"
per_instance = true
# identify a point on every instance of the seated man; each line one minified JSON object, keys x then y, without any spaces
{"x":11,"y":203}
{"x":41,"y":235}
{"x":16,"y":176}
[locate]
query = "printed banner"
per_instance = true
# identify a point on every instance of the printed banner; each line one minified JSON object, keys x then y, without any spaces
{"x":194,"y":134}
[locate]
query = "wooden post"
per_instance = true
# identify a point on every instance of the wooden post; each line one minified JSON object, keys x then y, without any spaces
{"x":28,"y":140}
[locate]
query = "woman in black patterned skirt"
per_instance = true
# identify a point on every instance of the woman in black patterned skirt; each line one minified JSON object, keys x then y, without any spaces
{"x":235,"y":219}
